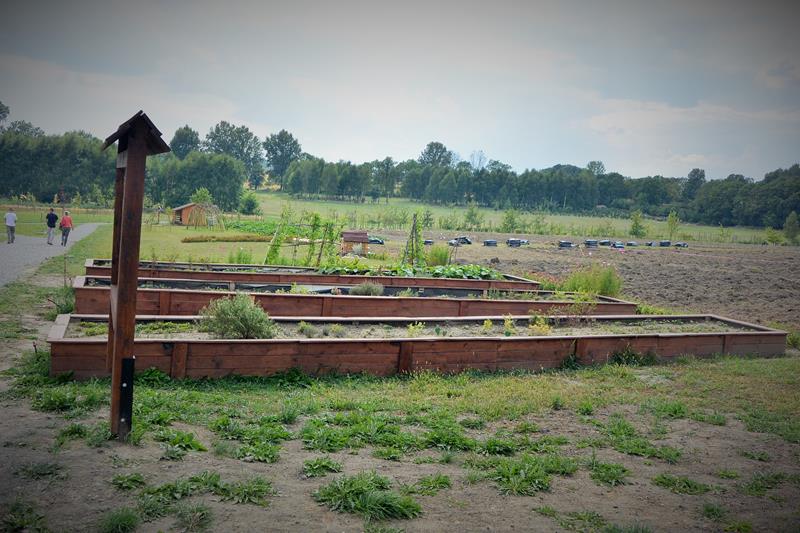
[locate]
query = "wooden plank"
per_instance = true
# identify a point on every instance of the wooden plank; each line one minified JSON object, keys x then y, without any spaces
{"x":180,"y":354}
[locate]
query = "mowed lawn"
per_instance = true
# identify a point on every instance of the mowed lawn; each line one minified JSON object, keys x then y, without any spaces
{"x":572,"y":225}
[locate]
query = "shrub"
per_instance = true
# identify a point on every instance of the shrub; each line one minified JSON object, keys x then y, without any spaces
{"x":437,"y":255}
{"x":248,"y":205}
{"x":237,"y":317}
{"x":595,"y":279}
{"x":240,"y":257}
{"x":120,"y":521}
{"x":367,"y":288}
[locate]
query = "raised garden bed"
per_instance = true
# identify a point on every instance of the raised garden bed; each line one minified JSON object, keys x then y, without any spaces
{"x":175,"y":297}
{"x":458,"y":344}
{"x":300,"y":275}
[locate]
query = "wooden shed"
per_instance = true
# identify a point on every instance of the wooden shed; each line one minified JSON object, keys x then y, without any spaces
{"x":355,"y":242}
{"x":182,"y":214}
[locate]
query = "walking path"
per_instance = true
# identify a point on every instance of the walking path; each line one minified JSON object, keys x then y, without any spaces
{"x":29,"y":252}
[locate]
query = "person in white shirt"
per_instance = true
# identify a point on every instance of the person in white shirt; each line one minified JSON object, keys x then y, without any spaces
{"x":11,"y":224}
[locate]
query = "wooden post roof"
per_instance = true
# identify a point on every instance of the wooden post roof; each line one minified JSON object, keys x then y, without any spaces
{"x":154,"y":143}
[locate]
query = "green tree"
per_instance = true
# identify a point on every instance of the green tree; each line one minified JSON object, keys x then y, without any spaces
{"x":695,"y":180}
{"x":386,"y":176}
{"x":791,"y":229}
{"x":172,"y":181}
{"x":672,"y":224}
{"x":281,"y":148}
{"x":473,"y":218}
{"x":597,"y":168}
{"x":240,"y":143}
{"x":637,"y":225}
{"x":4,"y":112}
{"x":23,"y":127}
{"x":510,"y":221}
{"x":436,"y":154}
{"x":184,"y":141}
{"x":249,"y":204}
{"x":202,"y":196}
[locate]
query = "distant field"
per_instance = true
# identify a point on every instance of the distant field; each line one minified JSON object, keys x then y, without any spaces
{"x":569,"y":225}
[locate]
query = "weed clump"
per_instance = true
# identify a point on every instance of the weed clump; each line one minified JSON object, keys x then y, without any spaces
{"x":308,"y":330}
{"x":367,"y":494}
{"x":120,"y":521}
{"x":680,"y":484}
{"x":415,"y":329}
{"x":367,"y":288}
{"x":595,"y":279}
{"x":631,"y":357}
{"x":320,"y":466}
{"x":237,"y":317}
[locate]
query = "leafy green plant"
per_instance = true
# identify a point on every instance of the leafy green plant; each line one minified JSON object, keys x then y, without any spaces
{"x":237,"y":317}
{"x":487,"y":327}
{"x":240,"y":256}
{"x":761,"y":482}
{"x":415,"y":329}
{"x":680,"y":484}
{"x":23,"y":516}
{"x":429,"y":485}
{"x":714,"y":512}
{"x":320,"y":466}
{"x":509,"y":328}
{"x":756,"y":455}
{"x":334,"y":330}
{"x":367,"y":288}
{"x":630,"y":357}
{"x":437,"y":255}
{"x":368,"y":495}
{"x":262,"y":452}
{"x":184,"y":440}
{"x":389,"y":453}
{"x":128,"y":481}
{"x":473,"y":423}
{"x":611,"y":474}
{"x":308,"y":330}
{"x":121,"y":520}
{"x":595,"y":279}
{"x":585,"y":408}
{"x":254,"y":490}
{"x":193,"y":517}
{"x":728,"y":474}
{"x":41,"y":471}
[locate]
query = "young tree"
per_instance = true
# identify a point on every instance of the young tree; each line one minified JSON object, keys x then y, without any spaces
{"x":473,"y":218}
{"x":637,"y":226}
{"x":240,"y":143}
{"x":249,"y":204}
{"x":282,"y":148}
{"x":184,"y":141}
{"x":202,"y":196}
{"x":791,"y":229}
{"x":672,"y":224}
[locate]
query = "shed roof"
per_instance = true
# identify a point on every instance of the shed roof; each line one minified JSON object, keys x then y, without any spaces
{"x":355,"y":236}
{"x":184,"y":206}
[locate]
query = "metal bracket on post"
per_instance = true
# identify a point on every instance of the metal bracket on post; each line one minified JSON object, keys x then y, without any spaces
{"x":126,"y":398}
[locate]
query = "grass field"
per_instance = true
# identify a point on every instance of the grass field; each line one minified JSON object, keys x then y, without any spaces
{"x":31,"y":220}
{"x":571,"y":225}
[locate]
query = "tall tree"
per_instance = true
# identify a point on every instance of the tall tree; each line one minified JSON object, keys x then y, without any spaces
{"x":386,"y":176}
{"x":596,"y":167}
{"x":282,"y":148}
{"x":672,"y":224}
{"x":184,"y":141}
{"x":4,"y":112}
{"x":240,"y":143}
{"x":695,"y":180}
{"x":436,"y":154}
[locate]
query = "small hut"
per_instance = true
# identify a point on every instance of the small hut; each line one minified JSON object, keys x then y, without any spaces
{"x":355,"y":242}
{"x":182,"y":214}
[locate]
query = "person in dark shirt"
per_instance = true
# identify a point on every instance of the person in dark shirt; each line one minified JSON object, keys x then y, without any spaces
{"x":52,"y":218}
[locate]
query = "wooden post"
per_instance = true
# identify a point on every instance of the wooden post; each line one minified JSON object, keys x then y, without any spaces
{"x":136,"y":139}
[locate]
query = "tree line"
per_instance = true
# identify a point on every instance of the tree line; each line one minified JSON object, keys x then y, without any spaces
{"x":230,"y":156}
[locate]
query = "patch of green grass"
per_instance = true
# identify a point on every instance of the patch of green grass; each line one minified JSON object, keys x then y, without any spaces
{"x":193,"y":517}
{"x":756,"y":455}
{"x":41,"y":471}
{"x":666,"y":408}
{"x":526,"y":427}
{"x":71,"y":432}
{"x":625,"y":439}
{"x":762,"y":421}
{"x":728,"y":474}
{"x":611,"y":474}
{"x":761,"y":482}
{"x":172,"y":453}
{"x":546,"y":510}
{"x":23,"y":516}
{"x":530,"y":474}
{"x":448,"y":437}
{"x":72,"y":400}
{"x":428,"y":485}
{"x":739,"y":526}
{"x":586,"y":408}
{"x":581,"y":521}
{"x":261,"y":452}
{"x":557,"y":403}
{"x":367,"y":494}
{"x":498,"y":446}
{"x":121,"y":520}
{"x":128,"y":481}
{"x":388,"y":453}
{"x":320,"y":467}
{"x":473,"y":423}
{"x":546,"y":444}
{"x":254,"y":490}
{"x":183,"y":440}
{"x":714,"y":512}
{"x":715,"y":419}
{"x":680,"y":484}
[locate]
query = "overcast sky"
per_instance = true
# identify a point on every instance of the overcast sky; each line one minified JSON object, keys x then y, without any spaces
{"x":647,"y":87}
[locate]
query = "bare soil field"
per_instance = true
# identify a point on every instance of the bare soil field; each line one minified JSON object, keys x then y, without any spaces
{"x":759,"y":284}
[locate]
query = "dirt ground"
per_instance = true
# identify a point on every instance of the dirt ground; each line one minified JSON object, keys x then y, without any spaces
{"x":759,"y":284}
{"x":746,"y":282}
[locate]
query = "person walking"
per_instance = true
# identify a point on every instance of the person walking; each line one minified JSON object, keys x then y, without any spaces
{"x":11,"y":224}
{"x":52,"y":218}
{"x":66,"y":227}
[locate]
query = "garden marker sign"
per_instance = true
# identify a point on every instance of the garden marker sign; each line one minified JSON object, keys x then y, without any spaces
{"x":136,"y":139}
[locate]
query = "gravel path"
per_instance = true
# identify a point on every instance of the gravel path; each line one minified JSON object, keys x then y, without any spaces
{"x":27,"y":253}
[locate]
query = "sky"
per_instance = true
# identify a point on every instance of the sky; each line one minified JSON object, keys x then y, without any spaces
{"x":647,"y":87}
